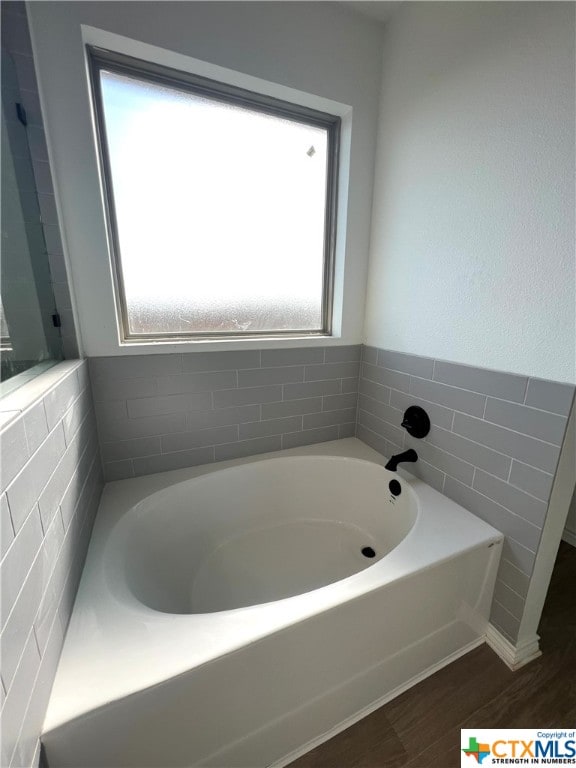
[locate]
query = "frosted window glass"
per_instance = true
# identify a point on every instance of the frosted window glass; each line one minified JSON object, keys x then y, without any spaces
{"x":220,"y":211}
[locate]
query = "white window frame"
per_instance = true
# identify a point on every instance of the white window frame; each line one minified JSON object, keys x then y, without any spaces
{"x":64,"y":85}
{"x":147,"y":71}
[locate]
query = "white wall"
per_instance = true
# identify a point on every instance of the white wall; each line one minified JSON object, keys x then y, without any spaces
{"x":472,"y":253}
{"x":315,"y":48}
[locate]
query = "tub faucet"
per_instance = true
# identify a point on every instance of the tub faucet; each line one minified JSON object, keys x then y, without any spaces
{"x":409,"y":455}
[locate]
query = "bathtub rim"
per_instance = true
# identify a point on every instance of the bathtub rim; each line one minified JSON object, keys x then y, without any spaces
{"x":69,"y":701}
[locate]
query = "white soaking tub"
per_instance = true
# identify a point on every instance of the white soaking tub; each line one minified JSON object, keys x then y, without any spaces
{"x":238,"y":614}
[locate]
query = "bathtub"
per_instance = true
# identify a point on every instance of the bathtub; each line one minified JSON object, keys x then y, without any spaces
{"x":238,"y":614}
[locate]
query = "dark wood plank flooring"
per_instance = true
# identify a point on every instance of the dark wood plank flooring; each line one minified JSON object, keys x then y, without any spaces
{"x":421,"y":728}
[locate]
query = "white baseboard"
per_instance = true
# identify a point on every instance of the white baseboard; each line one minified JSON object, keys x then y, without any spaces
{"x":514,"y":656}
{"x":569,"y":537}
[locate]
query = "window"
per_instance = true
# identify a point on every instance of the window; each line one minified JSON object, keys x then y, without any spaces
{"x":220,"y":204}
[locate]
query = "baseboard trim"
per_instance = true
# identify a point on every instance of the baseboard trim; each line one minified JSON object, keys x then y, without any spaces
{"x":514,"y":656}
{"x":349,"y":721}
{"x":569,"y":537}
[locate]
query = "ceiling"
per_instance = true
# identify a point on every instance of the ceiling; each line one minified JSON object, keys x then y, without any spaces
{"x":380,"y":10}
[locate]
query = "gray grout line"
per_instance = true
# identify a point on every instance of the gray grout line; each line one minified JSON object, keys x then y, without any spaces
{"x":498,"y":504}
{"x":465,"y":389}
{"x":502,"y":581}
{"x":37,"y":554}
{"x":60,"y":508}
{"x":526,"y":390}
{"x":507,"y":482}
{"x":529,"y":407}
{"x":516,"y":618}
{"x":9,"y":517}
{"x":494,"y":397}
{"x":375,"y":434}
{"x":466,"y":413}
{"x":31,"y":512}
{"x":500,"y":426}
{"x":30,"y":634}
{"x":510,"y":475}
{"x":505,"y":560}
{"x":381,"y":402}
{"x":32,"y":687}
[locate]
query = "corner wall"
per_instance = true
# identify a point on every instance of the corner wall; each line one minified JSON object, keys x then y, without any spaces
{"x":472,"y":251}
{"x":51,"y":486}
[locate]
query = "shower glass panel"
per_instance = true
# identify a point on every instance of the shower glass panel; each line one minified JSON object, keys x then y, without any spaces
{"x":29,"y":340}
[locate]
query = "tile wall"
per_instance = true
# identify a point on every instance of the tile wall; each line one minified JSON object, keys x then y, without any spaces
{"x":162,"y":412}
{"x":493,"y":448}
{"x":42,"y":219}
{"x":50,"y":490}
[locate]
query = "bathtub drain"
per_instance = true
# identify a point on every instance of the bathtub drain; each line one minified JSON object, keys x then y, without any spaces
{"x":368,"y":552}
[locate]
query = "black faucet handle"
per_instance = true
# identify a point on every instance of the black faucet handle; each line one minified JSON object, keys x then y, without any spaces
{"x":416,"y":421}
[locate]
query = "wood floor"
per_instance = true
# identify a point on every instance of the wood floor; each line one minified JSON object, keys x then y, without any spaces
{"x":421,"y":728}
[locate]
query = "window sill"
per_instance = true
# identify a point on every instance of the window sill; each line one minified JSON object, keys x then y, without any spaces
{"x":212,"y":344}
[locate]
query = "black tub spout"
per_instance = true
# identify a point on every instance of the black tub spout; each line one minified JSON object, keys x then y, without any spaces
{"x":409,"y":455}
